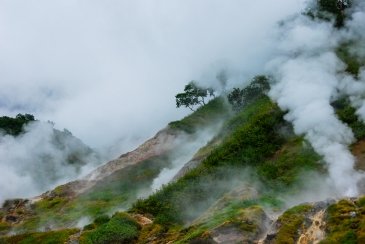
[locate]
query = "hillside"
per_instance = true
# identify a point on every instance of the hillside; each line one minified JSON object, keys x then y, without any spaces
{"x":270,"y":162}
{"x":36,"y":156}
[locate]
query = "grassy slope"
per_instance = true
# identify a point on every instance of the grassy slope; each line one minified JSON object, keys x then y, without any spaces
{"x":251,"y":141}
{"x":119,"y":190}
{"x":248,"y":139}
{"x":51,"y":237}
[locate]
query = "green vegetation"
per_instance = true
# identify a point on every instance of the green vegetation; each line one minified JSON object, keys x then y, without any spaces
{"x":285,"y":168}
{"x":51,"y":237}
{"x":121,"y":228}
{"x":346,"y":222}
{"x":329,"y":6}
{"x":240,"y":97}
{"x":14,"y":126}
{"x":206,"y":115}
{"x":248,"y":145}
{"x":347,"y":114}
{"x":290,"y":222}
{"x":352,"y":62}
{"x":119,"y":190}
{"x":193,"y":95}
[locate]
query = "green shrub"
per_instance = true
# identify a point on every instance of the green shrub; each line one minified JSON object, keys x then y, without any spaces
{"x":121,"y":228}
{"x":258,"y":87}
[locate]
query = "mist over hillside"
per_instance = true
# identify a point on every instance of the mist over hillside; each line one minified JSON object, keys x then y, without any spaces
{"x":271,"y":151}
{"x":108,"y":71}
{"x":35,"y":157}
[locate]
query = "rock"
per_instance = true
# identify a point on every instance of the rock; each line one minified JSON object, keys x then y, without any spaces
{"x":11,"y":219}
{"x":228,"y":234}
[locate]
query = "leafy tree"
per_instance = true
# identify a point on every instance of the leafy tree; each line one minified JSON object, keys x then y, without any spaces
{"x":330,"y":6}
{"x":193,"y":95}
{"x":14,"y":126}
{"x":239,"y":97}
{"x":235,"y":98}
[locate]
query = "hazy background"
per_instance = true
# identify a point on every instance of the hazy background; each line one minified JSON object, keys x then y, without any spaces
{"x":108,"y":70}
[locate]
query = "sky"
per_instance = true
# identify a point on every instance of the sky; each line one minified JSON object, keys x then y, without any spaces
{"x":108,"y":71}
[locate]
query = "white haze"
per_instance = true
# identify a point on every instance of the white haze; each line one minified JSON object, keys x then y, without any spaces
{"x":309,"y":77}
{"x":33,"y":162}
{"x":185,"y":152}
{"x":108,"y":70}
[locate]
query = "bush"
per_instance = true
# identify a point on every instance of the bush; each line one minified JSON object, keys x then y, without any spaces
{"x":121,"y":228}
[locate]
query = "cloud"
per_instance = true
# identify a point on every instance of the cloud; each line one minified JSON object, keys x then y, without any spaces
{"x":108,"y":70}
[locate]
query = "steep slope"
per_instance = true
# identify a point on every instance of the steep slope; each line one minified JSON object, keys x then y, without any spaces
{"x":117,"y":184}
{"x":252,"y":181}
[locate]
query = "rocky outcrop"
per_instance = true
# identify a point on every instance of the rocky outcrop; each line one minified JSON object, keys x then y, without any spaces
{"x":15,"y":210}
{"x":303,"y":224}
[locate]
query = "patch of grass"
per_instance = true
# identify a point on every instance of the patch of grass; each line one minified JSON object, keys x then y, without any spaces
{"x":290,"y":223}
{"x":4,"y":227}
{"x":50,"y":237}
{"x":203,"y":116}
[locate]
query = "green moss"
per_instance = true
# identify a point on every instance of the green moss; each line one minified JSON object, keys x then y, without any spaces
{"x":50,"y":237}
{"x":290,"y":223}
{"x":346,"y":222}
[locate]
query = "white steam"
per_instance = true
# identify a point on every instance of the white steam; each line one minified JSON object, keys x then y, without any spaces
{"x":182,"y":155}
{"x":110,"y":69}
{"x":309,"y":77}
{"x":36,"y":161}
